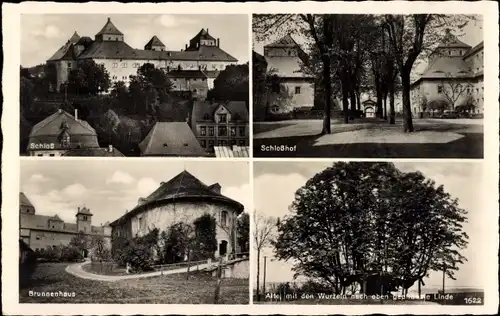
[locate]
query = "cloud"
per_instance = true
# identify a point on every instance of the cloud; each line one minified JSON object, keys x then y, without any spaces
{"x":171,"y":21}
{"x":145,"y":186}
{"x":120,"y":177}
{"x":240,"y":194}
{"x":38,"y":178}
{"x":49,"y":32}
{"x":74,"y":191}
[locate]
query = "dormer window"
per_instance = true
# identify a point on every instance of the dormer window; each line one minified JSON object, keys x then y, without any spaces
{"x":222,"y":118}
{"x":206,"y":117}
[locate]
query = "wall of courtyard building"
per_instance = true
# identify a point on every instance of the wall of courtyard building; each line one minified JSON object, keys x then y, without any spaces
{"x":39,"y":239}
{"x":163,"y":217}
{"x":294,"y":93}
{"x":476,"y":61}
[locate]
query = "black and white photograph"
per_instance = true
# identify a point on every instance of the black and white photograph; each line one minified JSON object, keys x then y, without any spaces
{"x":368,"y":86}
{"x":122,"y":232}
{"x":122,"y":85}
{"x":412,"y":233}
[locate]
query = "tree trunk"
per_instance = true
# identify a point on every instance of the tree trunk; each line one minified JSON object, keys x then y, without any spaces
{"x":258,"y":273}
{"x":358,"y":100}
{"x":328,"y":96}
{"x":385,"y":106}
{"x":345,"y":100}
{"x":353,"y":101}
{"x":392,"y":114}
{"x":407,"y":119}
{"x":379,"y":103}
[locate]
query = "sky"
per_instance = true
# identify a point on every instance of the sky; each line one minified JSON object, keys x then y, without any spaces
{"x":43,"y":35}
{"x":110,"y":187}
{"x":472,"y":35}
{"x":460,"y":180}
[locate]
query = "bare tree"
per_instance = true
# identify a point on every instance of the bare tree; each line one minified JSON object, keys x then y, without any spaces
{"x":452,"y":89}
{"x":263,"y":232}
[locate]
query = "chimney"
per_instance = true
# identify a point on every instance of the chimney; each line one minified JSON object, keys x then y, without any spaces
{"x":186,"y":46}
{"x":76,"y":114}
{"x":78,"y":209}
{"x":110,"y":148}
{"x":218,"y":42}
{"x":207,"y":30}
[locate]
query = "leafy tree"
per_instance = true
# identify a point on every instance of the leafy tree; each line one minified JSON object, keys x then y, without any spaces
{"x":88,"y":78}
{"x":371,"y":224}
{"x":178,"y":243}
{"x":80,"y":241}
{"x":205,"y":242}
{"x":100,"y":251}
{"x":26,"y":96}
{"x":231,"y":84}
{"x":243,"y":238}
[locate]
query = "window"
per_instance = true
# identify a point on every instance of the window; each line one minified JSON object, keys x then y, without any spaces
{"x":468,"y":90}
{"x":274,"y":109}
{"x":210,"y":144}
{"x":203,"y":143}
{"x":223,"y":218}
{"x":51,"y":155}
{"x":297,"y":90}
{"x":124,"y":65}
{"x":233,"y":142}
{"x":40,"y":155}
{"x":203,"y":130}
{"x":124,"y":77}
{"x":206,"y":117}
{"x":242,"y":143}
{"x":233,"y":131}
{"x":219,"y":143}
{"x":65,"y":140}
{"x":242,"y":131}
{"x":440,"y":89}
{"x":84,"y":217}
{"x":115,"y":65}
{"x":222,"y":118}
{"x":222,"y":131}
{"x":69,"y":65}
{"x":449,"y":52}
{"x":224,"y":143}
{"x":211,"y":131}
{"x":194,"y":90}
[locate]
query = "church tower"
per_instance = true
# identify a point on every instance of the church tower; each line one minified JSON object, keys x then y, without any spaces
{"x":83,"y":220}
{"x":109,"y":33}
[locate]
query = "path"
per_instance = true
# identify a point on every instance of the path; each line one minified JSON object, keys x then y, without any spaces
{"x":76,"y":269}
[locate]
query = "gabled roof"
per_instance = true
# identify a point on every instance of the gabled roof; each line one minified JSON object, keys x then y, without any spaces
{"x":183,"y":186}
{"x":65,"y":52}
{"x":52,"y":125}
{"x":56,"y":218}
{"x":447,"y":67}
{"x":154,"y":41}
{"x":285,"y":41}
{"x":451,"y":41}
{"x":171,"y":139}
{"x":202,"y":34}
{"x":24,"y":201}
{"x":109,"y":28}
{"x":474,"y":49}
{"x":203,"y":108}
{"x":74,"y":38}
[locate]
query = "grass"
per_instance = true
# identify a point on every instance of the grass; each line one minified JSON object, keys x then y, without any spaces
{"x":167,"y":289}
{"x":471,"y":145}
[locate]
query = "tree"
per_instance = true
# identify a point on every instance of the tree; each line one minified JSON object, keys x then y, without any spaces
{"x":88,"y":78}
{"x":80,"y":241}
{"x":178,"y":242}
{"x":26,"y":96}
{"x":409,"y":36}
{"x":243,"y":238}
{"x":231,"y":84}
{"x":100,"y":251}
{"x":263,"y":233}
{"x":371,"y":224}
{"x":205,"y":241}
{"x":453,"y":89}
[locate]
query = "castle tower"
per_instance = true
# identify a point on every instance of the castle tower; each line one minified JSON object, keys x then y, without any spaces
{"x":203,"y":38}
{"x":109,"y":33}
{"x":450,"y":46}
{"x":155,"y":44}
{"x":83,"y":220}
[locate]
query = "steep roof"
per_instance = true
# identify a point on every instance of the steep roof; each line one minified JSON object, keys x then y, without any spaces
{"x":202,"y":34}
{"x":474,"y":49}
{"x":23,"y":200}
{"x":203,"y":108}
{"x":285,"y":41}
{"x":85,"y":41}
{"x":74,"y":38}
{"x":93,"y":152}
{"x":49,"y":130}
{"x":109,"y":28}
{"x":183,"y":186}
{"x":121,"y":50}
{"x":154,"y":41}
{"x":64,"y":52}
{"x":171,"y":139}
{"x":451,"y":41}
{"x":447,"y":67}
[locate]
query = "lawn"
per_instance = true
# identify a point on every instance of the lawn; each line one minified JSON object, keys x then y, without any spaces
{"x":169,"y":289}
{"x":371,"y":139}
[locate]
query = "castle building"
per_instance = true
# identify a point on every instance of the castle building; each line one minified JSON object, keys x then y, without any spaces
{"x":220,"y":124}
{"x":294,"y":89}
{"x":183,"y":198}
{"x":62,"y":134}
{"x":121,"y":60}
{"x":41,"y":231}
{"x":454,"y":75}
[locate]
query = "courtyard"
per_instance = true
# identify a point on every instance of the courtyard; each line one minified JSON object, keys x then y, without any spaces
{"x":371,"y":138}
{"x":165,"y":289}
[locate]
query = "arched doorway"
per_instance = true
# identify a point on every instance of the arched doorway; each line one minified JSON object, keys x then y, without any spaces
{"x":223,"y":248}
{"x":369,"y":112}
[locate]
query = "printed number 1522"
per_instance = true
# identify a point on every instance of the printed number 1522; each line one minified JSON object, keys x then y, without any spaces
{"x":472,"y":300}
